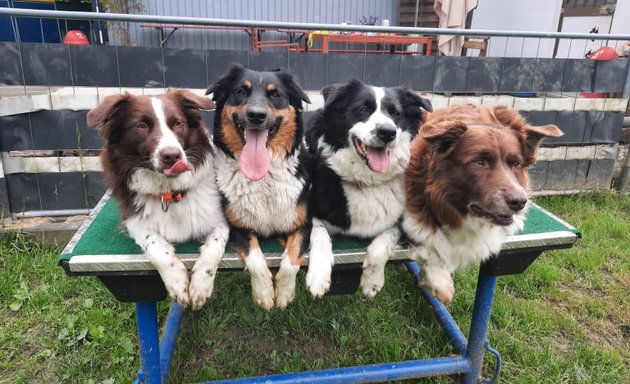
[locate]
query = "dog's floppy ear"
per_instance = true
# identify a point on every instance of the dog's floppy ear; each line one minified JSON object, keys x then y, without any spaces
{"x":413,"y":99}
{"x":333,"y":92}
{"x":188,"y":99}
{"x":191,"y":103}
{"x":533,"y":137}
{"x":296,"y":94}
{"x":103,"y":115}
{"x":221,"y":87}
{"x":443,"y":134}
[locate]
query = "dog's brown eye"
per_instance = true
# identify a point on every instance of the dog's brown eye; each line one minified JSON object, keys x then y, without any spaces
{"x":142,"y":127}
{"x":481,"y":162}
{"x":516,"y":164}
{"x":362,"y":108}
{"x":177,"y":124}
{"x":241,"y":92}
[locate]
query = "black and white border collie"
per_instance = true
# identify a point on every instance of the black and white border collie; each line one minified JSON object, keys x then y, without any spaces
{"x":466,"y":188}
{"x":360,"y":145}
{"x":261,"y":175}
{"x":157,"y":160}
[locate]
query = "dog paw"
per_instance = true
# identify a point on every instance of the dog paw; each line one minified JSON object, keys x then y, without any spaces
{"x":285,"y":283}
{"x":177,"y":287}
{"x":262,"y":291}
{"x":318,"y":281}
{"x":201,"y":287}
{"x":440,"y":282}
{"x":372,"y":281}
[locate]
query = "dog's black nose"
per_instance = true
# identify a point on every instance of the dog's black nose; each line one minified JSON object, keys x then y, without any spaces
{"x":386,"y":132}
{"x":170,"y":156}
{"x":256,"y":115}
{"x":516,"y":201}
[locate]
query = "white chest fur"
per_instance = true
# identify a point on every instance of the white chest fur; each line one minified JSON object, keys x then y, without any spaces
{"x":266,"y":206}
{"x":193,"y":217}
{"x":476,"y":240}
{"x":373,"y":209}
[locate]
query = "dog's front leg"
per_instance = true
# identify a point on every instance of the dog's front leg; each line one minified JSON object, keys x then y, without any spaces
{"x":246,"y":244}
{"x":162,"y":255}
{"x":434,"y":274}
{"x":292,"y":258}
{"x":378,"y":252}
{"x":320,"y":260}
{"x":205,"y":269}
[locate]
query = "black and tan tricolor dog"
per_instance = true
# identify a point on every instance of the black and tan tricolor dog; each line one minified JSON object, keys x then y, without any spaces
{"x":261,"y":174}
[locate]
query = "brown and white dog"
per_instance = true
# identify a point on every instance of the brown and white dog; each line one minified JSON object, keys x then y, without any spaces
{"x":466,"y":187}
{"x":158,"y":161}
{"x":261,"y":173}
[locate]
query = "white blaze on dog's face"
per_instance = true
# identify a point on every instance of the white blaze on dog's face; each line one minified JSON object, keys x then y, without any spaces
{"x":168,"y":156}
{"x":373,"y":126}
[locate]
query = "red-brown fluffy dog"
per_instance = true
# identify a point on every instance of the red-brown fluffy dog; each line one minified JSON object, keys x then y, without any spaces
{"x":466,"y":187}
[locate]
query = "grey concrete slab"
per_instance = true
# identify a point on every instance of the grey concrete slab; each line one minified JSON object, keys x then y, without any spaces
{"x":417,"y":72}
{"x":185,"y":68}
{"x":581,"y":173}
{"x":542,"y":117}
{"x":451,"y":74}
{"x":94,"y":65}
{"x":607,"y":129}
{"x":15,"y":134}
{"x":344,"y":66}
{"x":46,"y":64}
{"x":218,"y":61}
{"x":600,"y":174}
{"x":10,"y":68}
{"x":573,"y":124}
{"x":561,"y":175}
{"x":610,"y":76}
{"x":578,"y":75}
{"x":548,"y":74}
{"x":55,"y":129}
{"x":538,"y":175}
{"x":309,"y":69}
{"x":268,"y":60}
{"x":94,"y":185}
{"x":517,"y":75}
{"x":141,"y":67}
{"x":23,"y":192}
{"x":88,"y":136}
{"x":62,"y":191}
{"x":484,"y":74}
{"x":382,"y":70}
{"x":5,"y":208}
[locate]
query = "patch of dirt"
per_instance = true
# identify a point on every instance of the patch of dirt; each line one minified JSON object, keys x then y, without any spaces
{"x":258,"y":349}
{"x":37,"y":222}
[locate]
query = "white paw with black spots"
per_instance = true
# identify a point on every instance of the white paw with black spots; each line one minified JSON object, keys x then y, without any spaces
{"x":372,"y":280}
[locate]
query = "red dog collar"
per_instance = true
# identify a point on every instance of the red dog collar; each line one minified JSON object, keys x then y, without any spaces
{"x":169,"y":197}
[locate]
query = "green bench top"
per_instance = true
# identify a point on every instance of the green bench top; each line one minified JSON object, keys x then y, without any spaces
{"x":102,"y":236}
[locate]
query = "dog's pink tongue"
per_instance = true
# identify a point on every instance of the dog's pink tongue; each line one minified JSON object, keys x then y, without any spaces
{"x":378,"y":159}
{"x":178,"y":168}
{"x":254,"y":158}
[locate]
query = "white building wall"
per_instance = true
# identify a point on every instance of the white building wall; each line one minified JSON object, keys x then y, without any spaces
{"x":518,"y":15}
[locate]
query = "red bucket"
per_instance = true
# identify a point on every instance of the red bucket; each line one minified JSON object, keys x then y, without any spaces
{"x":602,"y":54}
{"x":76,"y":37}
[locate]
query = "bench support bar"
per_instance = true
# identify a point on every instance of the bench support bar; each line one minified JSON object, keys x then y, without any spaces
{"x":156,"y":356}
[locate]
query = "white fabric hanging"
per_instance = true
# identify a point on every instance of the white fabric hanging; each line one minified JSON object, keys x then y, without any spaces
{"x":452,"y":14}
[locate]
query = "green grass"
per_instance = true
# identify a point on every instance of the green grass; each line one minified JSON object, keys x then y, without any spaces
{"x":565,"y":320}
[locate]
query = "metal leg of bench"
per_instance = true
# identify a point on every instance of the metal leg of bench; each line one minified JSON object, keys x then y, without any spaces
{"x":169,"y":338}
{"x":477,"y":339}
{"x":442,"y":314}
{"x":146,"y":316}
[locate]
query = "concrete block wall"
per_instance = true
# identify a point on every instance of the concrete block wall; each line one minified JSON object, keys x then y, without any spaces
{"x":46,"y":90}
